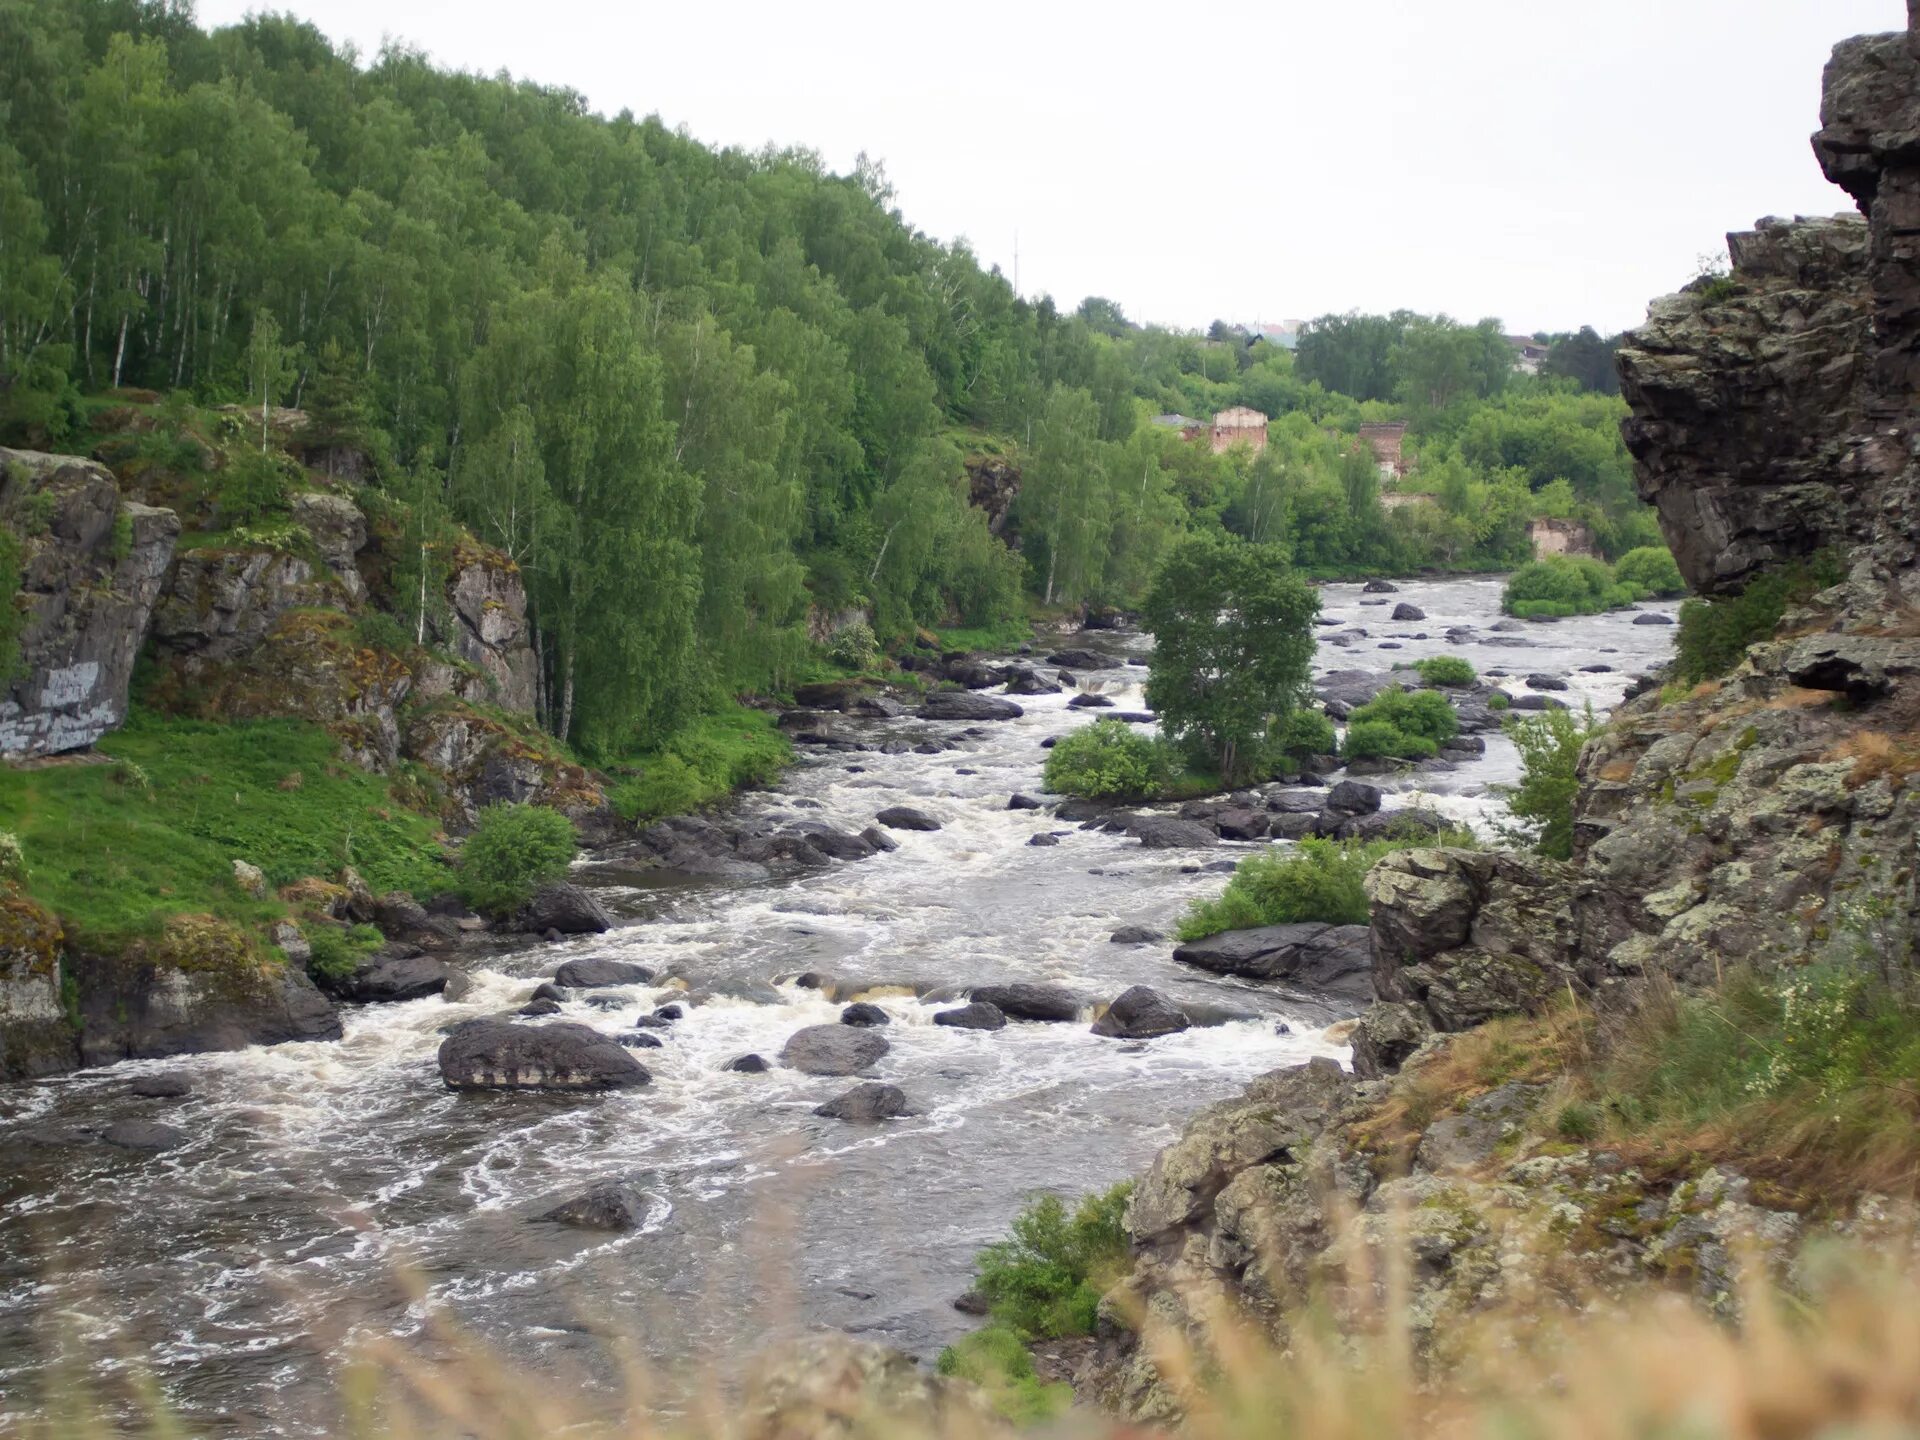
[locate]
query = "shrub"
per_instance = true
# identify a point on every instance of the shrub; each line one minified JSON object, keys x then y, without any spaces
{"x":1651,"y":570}
{"x":703,"y":764}
{"x":1304,"y":732}
{"x":1419,"y":713}
{"x":1047,"y":1279}
{"x":512,"y":852}
{"x":1499,"y":700}
{"x":339,"y":949}
{"x":853,"y":646}
{"x":1107,"y":760}
{"x":1317,"y":880}
{"x":377,"y":630}
{"x":1549,"y":744}
{"x":1380,"y":739}
{"x":1445,"y":670}
{"x":1714,"y":634}
{"x":1563,"y":585}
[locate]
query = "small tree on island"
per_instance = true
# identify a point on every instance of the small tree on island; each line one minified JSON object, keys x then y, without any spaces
{"x":1233,"y":649}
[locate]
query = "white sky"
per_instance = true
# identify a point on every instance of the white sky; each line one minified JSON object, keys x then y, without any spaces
{"x":1552,"y":162}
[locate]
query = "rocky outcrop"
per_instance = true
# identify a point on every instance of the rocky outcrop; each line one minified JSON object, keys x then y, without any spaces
{"x":489,"y":628}
{"x":1328,"y":959}
{"x":37,"y":1035}
{"x":993,"y":484}
{"x":91,"y":567}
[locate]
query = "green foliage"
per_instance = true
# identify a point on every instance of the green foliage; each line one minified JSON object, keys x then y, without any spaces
{"x":705,"y":762}
{"x":995,"y":1357}
{"x":1047,"y":1278}
{"x":377,"y":630}
{"x":255,"y":489}
{"x":1652,"y":570}
{"x":1314,"y":881}
{"x":13,"y":619}
{"x":1499,"y":700}
{"x":1383,"y":740}
{"x":854,"y":647}
{"x":1304,"y":732}
{"x":1715,"y":633}
{"x":1425,"y":714}
{"x":1107,"y":760}
{"x":514,"y":849}
{"x":1233,"y":649}
{"x":13,"y":859}
{"x":117,"y":849}
{"x":1549,"y":743}
{"x":338,"y":950}
{"x":1448,"y":670}
{"x":1563,"y":585}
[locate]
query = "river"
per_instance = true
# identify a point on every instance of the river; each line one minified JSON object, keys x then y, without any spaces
{"x":338,"y":1190}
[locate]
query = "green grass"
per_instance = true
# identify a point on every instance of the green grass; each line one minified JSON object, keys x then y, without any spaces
{"x":701,"y":765}
{"x":1043,"y":1282}
{"x":115,"y":848}
{"x":1317,"y":880}
{"x":1008,"y":635}
{"x":1714,"y":633}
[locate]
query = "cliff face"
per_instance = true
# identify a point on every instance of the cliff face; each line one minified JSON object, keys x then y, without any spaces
{"x":1767,"y":819}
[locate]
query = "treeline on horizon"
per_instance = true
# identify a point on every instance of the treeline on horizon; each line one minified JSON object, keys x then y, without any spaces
{"x":696,"y":394}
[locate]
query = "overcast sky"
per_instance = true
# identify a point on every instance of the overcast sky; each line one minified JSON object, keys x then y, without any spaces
{"x":1552,"y":162}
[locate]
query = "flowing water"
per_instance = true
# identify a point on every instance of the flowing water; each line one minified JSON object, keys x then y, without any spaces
{"x":333,"y":1191}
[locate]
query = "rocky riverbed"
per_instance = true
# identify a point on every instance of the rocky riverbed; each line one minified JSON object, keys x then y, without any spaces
{"x":236,"y":1227}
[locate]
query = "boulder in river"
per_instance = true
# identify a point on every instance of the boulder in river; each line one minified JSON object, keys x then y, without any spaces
{"x":869,"y":1100}
{"x":1140,"y":1013}
{"x":609,"y":1205}
{"x":1238,"y":823}
{"x":975,"y":1015}
{"x":1084,"y":660}
{"x":1043,"y":839}
{"x":1090,"y":701}
{"x":1334,"y":958}
{"x":1027,"y":1000}
{"x":567,"y":908}
{"x":1652,"y":617}
{"x":1546,"y":682}
{"x":1379,"y":587}
{"x":1024,"y":802}
{"x":966,"y":705}
{"x":1404,"y":611}
{"x":833,"y":1049}
{"x":534,"y":1009}
{"x":640,"y":1040}
{"x":393,"y":977}
{"x":863,"y":1013}
{"x":494,"y":1055}
{"x":747,"y":1065}
{"x":905,"y":817}
{"x":881,"y":842}
{"x":1168,"y":832}
{"x":592,"y":974}
{"x":1351,"y":797}
{"x":1022,"y":680}
{"x":167,"y":1085}
{"x":143,"y":1135}
{"x":1135,"y":935}
{"x":832,"y":843}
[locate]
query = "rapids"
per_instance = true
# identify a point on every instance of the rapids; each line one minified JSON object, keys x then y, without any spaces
{"x":338,"y":1190}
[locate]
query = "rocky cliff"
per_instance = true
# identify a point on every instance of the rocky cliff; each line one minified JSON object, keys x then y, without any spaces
{"x":1761,"y":821}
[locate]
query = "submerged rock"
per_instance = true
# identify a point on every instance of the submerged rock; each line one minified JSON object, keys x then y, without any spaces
{"x":868,"y":1101}
{"x":1140,"y":1013}
{"x":491,"y":1055}
{"x":833,"y":1049}
{"x":1333,"y":958}
{"x":967,"y":705}
{"x":978,"y":1015}
{"x":591,"y":974}
{"x":1026,"y":1000}
{"x":610,"y":1205}
{"x":905,"y":817}
{"x":567,"y":908}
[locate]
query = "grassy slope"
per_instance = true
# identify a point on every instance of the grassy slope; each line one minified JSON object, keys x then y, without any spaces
{"x":116,"y":847}
{"x":702,"y":765}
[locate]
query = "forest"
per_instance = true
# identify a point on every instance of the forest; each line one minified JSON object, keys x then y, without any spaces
{"x":705,"y":399}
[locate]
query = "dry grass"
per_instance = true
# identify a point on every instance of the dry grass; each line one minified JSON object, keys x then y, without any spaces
{"x":1877,"y":755}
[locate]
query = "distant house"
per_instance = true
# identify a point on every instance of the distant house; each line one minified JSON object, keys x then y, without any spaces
{"x":1560,"y":537}
{"x":1528,"y":353}
{"x":1240,"y":425}
{"x":1385,"y":440}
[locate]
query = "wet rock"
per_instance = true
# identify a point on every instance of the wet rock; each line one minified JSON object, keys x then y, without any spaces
{"x":1024,"y":802}
{"x":1090,"y":702}
{"x":1379,"y":587}
{"x":1410,"y":823}
{"x":978,"y":1015}
{"x":669,"y":1013}
{"x":1652,"y":617}
{"x":881,"y":842}
{"x":610,"y":1205}
{"x":1027,"y":1000}
{"x":491,"y":1055}
{"x":534,"y":1009}
{"x":1239,"y":824}
{"x":870,"y":1100}
{"x":905,"y":817}
{"x":747,"y":1065}
{"x":1404,"y":611}
{"x":832,"y":843}
{"x":1023,"y":680}
{"x":1351,"y":797}
{"x":1043,"y":840}
{"x":143,"y":1135}
{"x":862,"y":1013}
{"x":1333,"y":958}
{"x":972,"y":1302}
{"x":392,"y":978}
{"x":168,"y":1085}
{"x":1135,"y":935}
{"x":1140,"y":1013}
{"x":1083,"y":660}
{"x":1166,"y":832}
{"x":590,"y":974}
{"x":459,"y":985}
{"x":400,"y":917}
{"x":640,"y":1040}
{"x":833,"y":1049}
{"x":967,"y":705}
{"x":567,"y":908}
{"x":1546,"y":682}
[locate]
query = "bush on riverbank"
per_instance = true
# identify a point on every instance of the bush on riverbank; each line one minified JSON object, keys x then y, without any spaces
{"x":1044,"y":1282}
{"x":1317,"y":880}
{"x":513,"y":851}
{"x":1652,"y":571}
{"x":1563,"y":585}
{"x":1549,"y":742}
{"x":1400,"y":724}
{"x":1108,"y":760}
{"x":152,"y":830}
{"x":1446,"y":670}
{"x":1302,"y":733}
{"x":704,"y":763}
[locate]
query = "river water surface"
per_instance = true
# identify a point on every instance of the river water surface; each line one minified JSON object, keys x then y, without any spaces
{"x":333,"y":1191}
